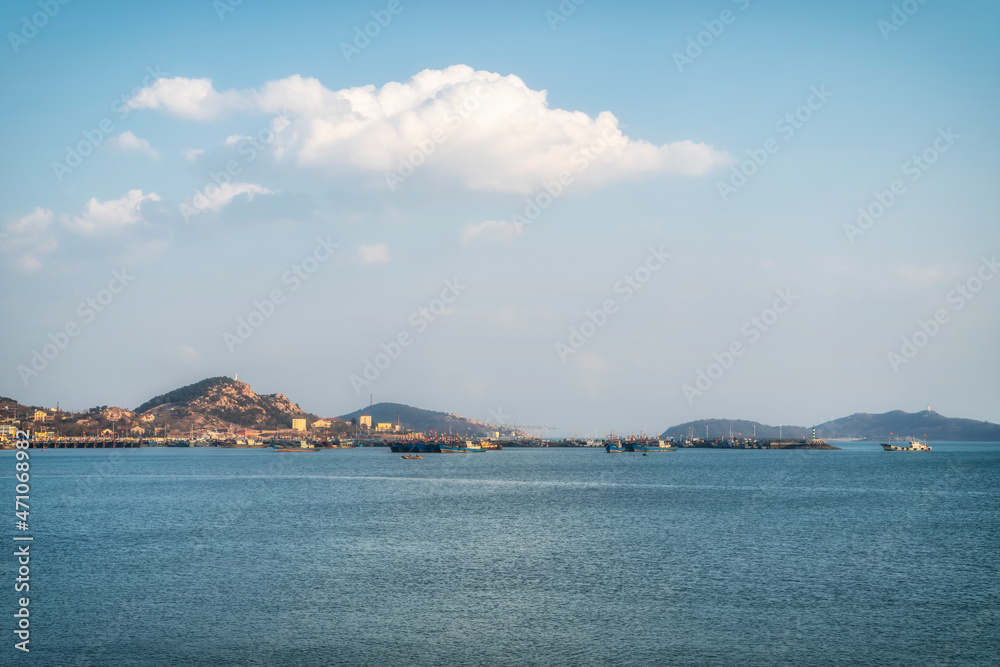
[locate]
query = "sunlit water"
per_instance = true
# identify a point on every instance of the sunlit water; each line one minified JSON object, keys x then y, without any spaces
{"x":519,"y":557}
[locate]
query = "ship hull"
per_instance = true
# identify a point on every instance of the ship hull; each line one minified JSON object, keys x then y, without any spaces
{"x":894,"y":448}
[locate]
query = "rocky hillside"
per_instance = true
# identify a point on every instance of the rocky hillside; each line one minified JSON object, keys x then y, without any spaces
{"x":219,"y":402}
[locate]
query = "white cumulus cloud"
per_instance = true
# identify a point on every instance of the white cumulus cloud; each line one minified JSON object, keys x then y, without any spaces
{"x":104,"y":216}
{"x":127,"y":141}
{"x":214,"y":198}
{"x":487,"y":131}
{"x":192,"y":154}
{"x":373,"y":254}
{"x":187,"y":98}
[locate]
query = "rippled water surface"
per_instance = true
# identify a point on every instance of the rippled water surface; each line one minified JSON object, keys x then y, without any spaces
{"x":519,"y":557}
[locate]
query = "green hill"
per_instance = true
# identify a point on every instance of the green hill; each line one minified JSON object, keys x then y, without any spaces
{"x":423,"y":421}
{"x":924,"y":424}
{"x":720,"y":428}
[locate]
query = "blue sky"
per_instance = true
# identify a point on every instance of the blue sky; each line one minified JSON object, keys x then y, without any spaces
{"x":176,"y":82}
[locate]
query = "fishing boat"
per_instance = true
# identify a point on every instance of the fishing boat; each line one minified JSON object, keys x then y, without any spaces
{"x":653,"y":446}
{"x":417,"y":456}
{"x":911,"y":446}
{"x":303,"y":446}
{"x":614,"y":447}
{"x":456,"y":448}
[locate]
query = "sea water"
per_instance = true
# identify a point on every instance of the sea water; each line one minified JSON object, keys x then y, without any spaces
{"x":209,"y":556}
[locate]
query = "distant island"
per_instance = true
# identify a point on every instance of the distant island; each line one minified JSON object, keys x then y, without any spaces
{"x":925,"y":424}
{"x":223,"y":405}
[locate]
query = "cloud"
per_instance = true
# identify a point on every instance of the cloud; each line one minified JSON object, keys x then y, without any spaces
{"x":236,"y":138}
{"x":373,"y":254}
{"x":36,"y":221}
{"x":99,"y":217}
{"x":486,"y":131}
{"x":192,"y":154}
{"x":31,"y":238}
{"x":214,"y":198}
{"x":187,"y":98}
{"x":925,"y":276}
{"x":126,"y":141}
{"x":497,"y":231}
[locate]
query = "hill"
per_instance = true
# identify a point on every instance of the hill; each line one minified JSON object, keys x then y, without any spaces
{"x":719,"y":428}
{"x":220,"y":402}
{"x":423,"y":421}
{"x":924,"y":424}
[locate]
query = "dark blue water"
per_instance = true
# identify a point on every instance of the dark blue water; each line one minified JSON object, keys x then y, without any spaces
{"x":519,"y":557}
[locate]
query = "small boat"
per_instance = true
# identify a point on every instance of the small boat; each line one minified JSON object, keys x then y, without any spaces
{"x":418,"y":456}
{"x":911,"y":446}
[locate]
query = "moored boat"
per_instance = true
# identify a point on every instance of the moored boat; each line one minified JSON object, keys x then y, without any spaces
{"x":303,"y":446}
{"x":653,"y":446}
{"x":613,"y":447}
{"x":457,"y":448}
{"x":411,"y":457}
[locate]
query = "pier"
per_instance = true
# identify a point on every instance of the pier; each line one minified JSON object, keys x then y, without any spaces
{"x":87,"y":443}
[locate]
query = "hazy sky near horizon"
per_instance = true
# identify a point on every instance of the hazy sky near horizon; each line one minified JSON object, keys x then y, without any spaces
{"x":182,"y":164}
